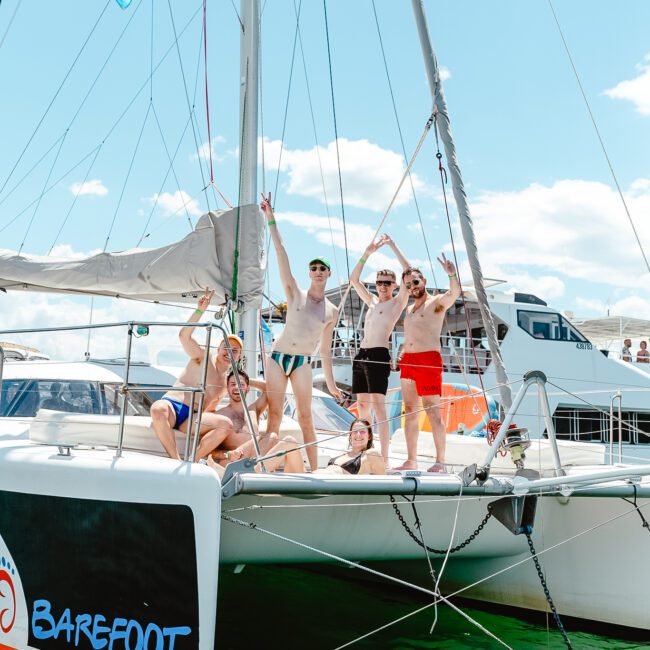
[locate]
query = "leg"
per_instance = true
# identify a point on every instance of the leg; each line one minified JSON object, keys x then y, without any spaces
{"x":411,"y":402}
{"x":163,"y":418}
{"x":292,"y":460}
{"x":364,"y":405}
{"x":301,"y":380}
{"x":378,"y":401}
{"x":276,"y":387}
{"x":432,"y":408}
{"x":217,"y":428}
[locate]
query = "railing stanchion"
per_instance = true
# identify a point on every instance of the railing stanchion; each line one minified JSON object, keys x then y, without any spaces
{"x":190,"y":420}
{"x":204,"y":378}
{"x":125,"y":390}
{"x":2,"y":369}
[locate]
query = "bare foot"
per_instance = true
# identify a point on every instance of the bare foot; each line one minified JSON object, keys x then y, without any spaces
{"x":407,"y":464}
{"x":437,"y":468}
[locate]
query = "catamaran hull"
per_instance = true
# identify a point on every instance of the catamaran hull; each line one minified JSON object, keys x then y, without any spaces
{"x":593,"y":551}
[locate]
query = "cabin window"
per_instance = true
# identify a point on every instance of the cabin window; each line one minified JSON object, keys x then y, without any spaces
{"x":549,"y":326}
{"x":591,"y":425}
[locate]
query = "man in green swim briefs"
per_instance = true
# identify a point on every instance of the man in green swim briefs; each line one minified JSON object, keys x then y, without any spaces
{"x":310,"y":322}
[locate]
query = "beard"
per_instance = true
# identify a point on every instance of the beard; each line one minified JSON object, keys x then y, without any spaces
{"x":418,"y":292}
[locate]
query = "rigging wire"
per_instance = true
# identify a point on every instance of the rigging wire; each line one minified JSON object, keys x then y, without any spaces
{"x":318,"y":155}
{"x":598,"y":135}
{"x":286,"y":103}
{"x":56,"y":94}
{"x":338,"y":155}
{"x":11,"y":20}
{"x":187,"y":99}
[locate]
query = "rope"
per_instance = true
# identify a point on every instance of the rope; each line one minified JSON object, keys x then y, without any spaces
{"x":11,"y":20}
{"x":356,"y":565}
{"x":600,"y":139}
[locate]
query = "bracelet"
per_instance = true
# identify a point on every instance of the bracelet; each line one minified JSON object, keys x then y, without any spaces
{"x":363,"y":260}
{"x":226,"y":454}
{"x":453,"y":275}
{"x":199,"y":311}
{"x":271,"y":223}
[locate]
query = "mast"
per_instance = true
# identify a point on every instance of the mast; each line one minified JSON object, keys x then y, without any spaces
{"x":248,"y":321}
{"x":444,"y":127}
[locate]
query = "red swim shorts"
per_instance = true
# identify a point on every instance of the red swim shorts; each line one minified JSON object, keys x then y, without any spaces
{"x":425,"y":369}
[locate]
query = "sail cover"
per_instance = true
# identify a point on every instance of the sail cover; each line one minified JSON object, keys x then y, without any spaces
{"x":175,"y":273}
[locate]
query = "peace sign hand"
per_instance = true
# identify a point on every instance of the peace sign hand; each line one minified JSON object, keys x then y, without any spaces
{"x":265,"y":206}
{"x":447,"y":265}
{"x":205,"y":299}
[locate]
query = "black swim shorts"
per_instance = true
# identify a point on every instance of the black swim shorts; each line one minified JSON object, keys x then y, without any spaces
{"x":370,"y":371}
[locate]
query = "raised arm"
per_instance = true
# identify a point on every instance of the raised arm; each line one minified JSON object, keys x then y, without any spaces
{"x":260,"y":404}
{"x":190,"y":345}
{"x":448,"y":298}
{"x":326,"y":357}
{"x":402,"y":296}
{"x":288,"y":281}
{"x":355,"y":276}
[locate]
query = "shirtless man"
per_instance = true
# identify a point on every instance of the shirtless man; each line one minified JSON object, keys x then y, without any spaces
{"x":232,"y":436}
{"x":172,"y":411}
{"x":310,"y":321}
{"x":371,"y":367}
{"x":421,"y":364}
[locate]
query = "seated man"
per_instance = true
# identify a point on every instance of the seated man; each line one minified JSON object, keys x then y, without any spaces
{"x":231,"y":435}
{"x":172,"y":411}
{"x":55,"y":401}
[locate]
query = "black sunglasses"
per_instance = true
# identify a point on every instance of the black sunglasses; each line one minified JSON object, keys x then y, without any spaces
{"x":412,"y":283}
{"x":385,"y":283}
{"x":318,"y":267}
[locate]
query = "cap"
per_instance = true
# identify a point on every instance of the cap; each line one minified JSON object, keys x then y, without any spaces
{"x":233,"y":338}
{"x":322,"y":260}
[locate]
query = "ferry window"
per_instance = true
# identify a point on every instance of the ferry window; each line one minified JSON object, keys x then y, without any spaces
{"x":138,"y":404}
{"x":23,"y":398}
{"x":548,"y":325}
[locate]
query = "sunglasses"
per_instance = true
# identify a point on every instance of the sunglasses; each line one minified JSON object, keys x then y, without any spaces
{"x":318,"y":267}
{"x":412,"y":283}
{"x":384,"y":283}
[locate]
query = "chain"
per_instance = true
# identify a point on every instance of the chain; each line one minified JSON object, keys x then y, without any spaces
{"x":412,"y":535}
{"x":549,"y":600}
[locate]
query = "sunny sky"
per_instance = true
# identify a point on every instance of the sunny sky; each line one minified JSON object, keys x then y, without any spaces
{"x":86,"y":142}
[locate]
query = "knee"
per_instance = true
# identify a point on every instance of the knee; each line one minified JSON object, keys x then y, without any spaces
{"x":159,"y":410}
{"x":290,"y":440}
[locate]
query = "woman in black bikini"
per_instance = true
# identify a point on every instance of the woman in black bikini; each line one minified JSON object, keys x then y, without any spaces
{"x":361,"y":458}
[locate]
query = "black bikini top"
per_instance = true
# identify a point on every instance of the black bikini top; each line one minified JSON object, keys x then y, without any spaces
{"x":351,"y":466}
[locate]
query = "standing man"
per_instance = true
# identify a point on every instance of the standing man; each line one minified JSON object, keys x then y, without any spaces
{"x":172,"y":411}
{"x":310,"y":321}
{"x":626,"y":352}
{"x":371,"y":366}
{"x":421,"y":364}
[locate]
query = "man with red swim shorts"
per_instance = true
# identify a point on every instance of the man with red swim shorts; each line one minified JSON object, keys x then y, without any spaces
{"x":420,"y":364}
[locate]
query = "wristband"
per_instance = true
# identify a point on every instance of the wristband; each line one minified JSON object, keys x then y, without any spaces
{"x":226,"y":454}
{"x":453,"y":275}
{"x":363,"y":260}
{"x":200,"y":312}
{"x":271,"y":223}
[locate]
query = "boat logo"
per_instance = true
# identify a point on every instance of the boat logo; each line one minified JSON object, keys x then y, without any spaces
{"x":14,"y":621}
{"x":7,"y":596}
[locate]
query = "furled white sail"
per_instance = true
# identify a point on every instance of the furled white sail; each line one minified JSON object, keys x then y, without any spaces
{"x":177,"y":273}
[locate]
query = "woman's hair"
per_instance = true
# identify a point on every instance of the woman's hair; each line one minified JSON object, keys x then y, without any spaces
{"x":368,"y":427}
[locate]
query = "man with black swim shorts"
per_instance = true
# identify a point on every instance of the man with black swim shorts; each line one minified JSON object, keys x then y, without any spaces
{"x":371,"y":366}
{"x":420,"y":363}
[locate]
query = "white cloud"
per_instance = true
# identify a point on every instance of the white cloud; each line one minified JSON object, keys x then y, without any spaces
{"x":370,"y":174}
{"x":207,"y":147}
{"x":445,"y":73}
{"x":66,"y":252}
{"x":176,"y":203}
{"x":575,"y":228}
{"x":93,"y":187}
{"x":546,"y":286}
{"x":635,"y":90}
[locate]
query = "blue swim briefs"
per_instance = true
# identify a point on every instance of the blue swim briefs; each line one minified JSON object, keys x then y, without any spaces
{"x":182,"y":411}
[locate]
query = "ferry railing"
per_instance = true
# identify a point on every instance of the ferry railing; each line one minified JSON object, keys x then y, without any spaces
{"x":126,"y":388}
{"x":618,"y":397}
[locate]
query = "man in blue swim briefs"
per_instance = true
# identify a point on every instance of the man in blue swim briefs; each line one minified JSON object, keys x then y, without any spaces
{"x":310,"y":322}
{"x":172,"y":411}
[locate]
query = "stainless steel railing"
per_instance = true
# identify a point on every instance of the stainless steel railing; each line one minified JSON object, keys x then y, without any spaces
{"x":127,"y":387}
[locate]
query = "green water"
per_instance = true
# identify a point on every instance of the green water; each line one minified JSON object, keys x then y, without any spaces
{"x":322,"y":607}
